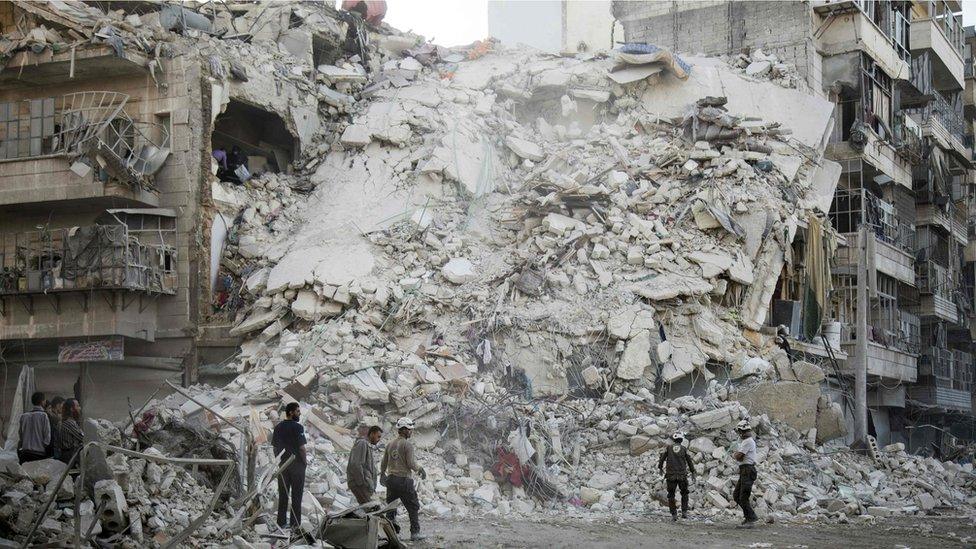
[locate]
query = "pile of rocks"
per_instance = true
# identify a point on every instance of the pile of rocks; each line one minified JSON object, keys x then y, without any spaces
{"x":758,"y":64}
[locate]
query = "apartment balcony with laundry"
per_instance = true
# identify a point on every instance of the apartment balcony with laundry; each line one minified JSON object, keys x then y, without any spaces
{"x":80,"y":147}
{"x":891,"y":244}
{"x":878,"y":29}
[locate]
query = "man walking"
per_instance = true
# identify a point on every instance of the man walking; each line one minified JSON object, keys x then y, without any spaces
{"x":746,"y":456}
{"x":678,"y":465}
{"x":35,"y":431}
{"x":399,"y":461}
{"x":361,"y":469}
{"x":288,"y":439}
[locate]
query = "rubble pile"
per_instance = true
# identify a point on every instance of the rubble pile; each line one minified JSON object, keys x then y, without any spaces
{"x":549,"y":263}
{"x":153,"y":502}
{"x":758,"y":64}
{"x":526,"y":230}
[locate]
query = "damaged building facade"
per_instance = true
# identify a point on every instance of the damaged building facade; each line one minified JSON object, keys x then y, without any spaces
{"x":898,"y":74}
{"x":110,"y":233}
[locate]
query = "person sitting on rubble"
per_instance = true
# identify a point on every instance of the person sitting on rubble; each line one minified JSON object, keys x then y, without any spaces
{"x":400,"y":462}
{"x":35,"y":431}
{"x":71,"y":436}
{"x":679,"y":464}
{"x":746,"y":456}
{"x":54,"y":410}
{"x":361,"y":469}
{"x":220,"y":155}
{"x":288,"y":439}
{"x":235,"y":160}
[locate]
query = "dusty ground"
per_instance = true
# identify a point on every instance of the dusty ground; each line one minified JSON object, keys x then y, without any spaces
{"x":941,"y":532}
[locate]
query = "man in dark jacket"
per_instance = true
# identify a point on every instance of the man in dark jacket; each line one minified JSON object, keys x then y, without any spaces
{"x":361,"y":469}
{"x":35,"y":431}
{"x":679,"y":464}
{"x":288,"y":439}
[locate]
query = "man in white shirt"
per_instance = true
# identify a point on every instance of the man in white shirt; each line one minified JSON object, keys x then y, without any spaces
{"x":746,"y":456}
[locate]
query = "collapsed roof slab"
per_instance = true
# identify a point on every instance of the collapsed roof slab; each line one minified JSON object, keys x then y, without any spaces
{"x":808,"y":116}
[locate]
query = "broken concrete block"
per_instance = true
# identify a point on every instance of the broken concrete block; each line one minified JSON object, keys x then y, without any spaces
{"x":894,"y":448}
{"x":459,"y":271}
{"x":669,"y":286}
{"x":753,"y":366}
{"x":712,"y":264}
{"x":356,"y":135}
{"x":628,"y":429}
{"x":601,"y":480}
{"x":925,"y":501}
{"x":717,"y":499}
{"x":258,"y":281}
{"x":664,"y":351}
{"x":831,"y":423}
{"x":806,"y":372}
{"x":636,"y":357}
{"x":878,"y":511}
{"x":589,"y":496}
{"x":112,"y":500}
{"x":44,"y":471}
{"x":788,"y":401}
{"x":306,"y":305}
{"x":639,"y":444}
{"x":702,"y":445}
{"x":715,"y":419}
{"x":559,"y":224}
{"x":591,"y":376}
{"x":525,"y":149}
{"x":759,"y":68}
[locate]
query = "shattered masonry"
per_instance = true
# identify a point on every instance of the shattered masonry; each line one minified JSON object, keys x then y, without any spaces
{"x":561,"y":258}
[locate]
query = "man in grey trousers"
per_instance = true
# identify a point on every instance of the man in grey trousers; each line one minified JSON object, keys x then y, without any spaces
{"x":361,"y":469}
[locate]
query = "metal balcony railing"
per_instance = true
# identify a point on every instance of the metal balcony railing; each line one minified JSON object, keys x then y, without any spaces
{"x":82,"y":124}
{"x":100,"y":256}
{"x":934,"y":279}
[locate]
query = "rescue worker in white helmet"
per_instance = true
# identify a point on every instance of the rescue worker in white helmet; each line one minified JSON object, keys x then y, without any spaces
{"x":676,"y":464}
{"x":399,"y":462}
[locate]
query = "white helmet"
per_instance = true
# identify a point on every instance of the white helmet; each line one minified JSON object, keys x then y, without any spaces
{"x":743,"y":426}
{"x":678,"y":435}
{"x":404,"y":423}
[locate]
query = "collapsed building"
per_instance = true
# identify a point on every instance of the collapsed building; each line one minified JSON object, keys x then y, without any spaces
{"x":900,"y":77}
{"x":551,"y":262}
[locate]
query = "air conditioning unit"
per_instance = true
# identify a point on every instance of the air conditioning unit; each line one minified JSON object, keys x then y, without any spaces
{"x":788,"y":313}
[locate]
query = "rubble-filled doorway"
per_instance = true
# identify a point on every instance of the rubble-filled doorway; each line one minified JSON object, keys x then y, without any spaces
{"x":248,"y":136}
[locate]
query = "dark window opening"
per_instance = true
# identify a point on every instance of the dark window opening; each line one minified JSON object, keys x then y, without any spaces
{"x":249,"y":141}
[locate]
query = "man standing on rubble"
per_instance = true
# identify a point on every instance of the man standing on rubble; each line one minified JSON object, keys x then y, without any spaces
{"x":35,"y":431}
{"x":746,"y":456}
{"x":399,"y":461}
{"x":679,"y":464}
{"x":288,"y":439}
{"x":361,"y":469}
{"x":70,"y":436}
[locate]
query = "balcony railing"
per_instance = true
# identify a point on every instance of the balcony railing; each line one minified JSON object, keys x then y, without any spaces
{"x":939,"y":109}
{"x":950,"y":368}
{"x":85,"y":124}
{"x":853,"y":207}
{"x":934,"y":279}
{"x":100,"y":256}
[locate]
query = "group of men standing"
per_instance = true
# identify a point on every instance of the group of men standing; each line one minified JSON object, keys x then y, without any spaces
{"x":396,"y":470}
{"x":399,"y":465}
{"x":50,"y":429}
{"x":676,"y":464}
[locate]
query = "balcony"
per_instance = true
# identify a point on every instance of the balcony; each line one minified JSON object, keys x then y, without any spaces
{"x":946,"y":379}
{"x":944,"y":123}
{"x":943,"y":36}
{"x":93,"y":61}
{"x":891,"y":246}
{"x":884,"y":362}
{"x":128,"y":249}
{"x":936,"y":285}
{"x":884,"y":37}
{"x":50,"y":149}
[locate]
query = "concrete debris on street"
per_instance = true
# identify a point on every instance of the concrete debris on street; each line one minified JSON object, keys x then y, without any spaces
{"x":551,"y":261}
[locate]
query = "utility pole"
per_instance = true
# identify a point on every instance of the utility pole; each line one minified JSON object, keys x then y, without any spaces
{"x":861,"y":346}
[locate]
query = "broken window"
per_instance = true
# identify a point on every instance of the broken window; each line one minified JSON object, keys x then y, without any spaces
{"x":27,"y":128}
{"x":876,"y":94}
{"x":256,"y":139}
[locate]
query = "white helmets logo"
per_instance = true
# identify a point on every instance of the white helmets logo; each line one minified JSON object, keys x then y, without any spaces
{"x":743,"y":426}
{"x":678,"y":435}
{"x":404,"y":423}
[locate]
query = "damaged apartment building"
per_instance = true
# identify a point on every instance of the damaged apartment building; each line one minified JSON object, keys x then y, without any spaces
{"x":109,"y":238}
{"x":900,"y":75}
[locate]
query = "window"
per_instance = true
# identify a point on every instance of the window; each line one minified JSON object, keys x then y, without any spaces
{"x":876,"y":92}
{"x":27,"y":128}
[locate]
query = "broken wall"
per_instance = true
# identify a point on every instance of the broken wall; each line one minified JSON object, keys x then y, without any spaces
{"x":727,"y":27}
